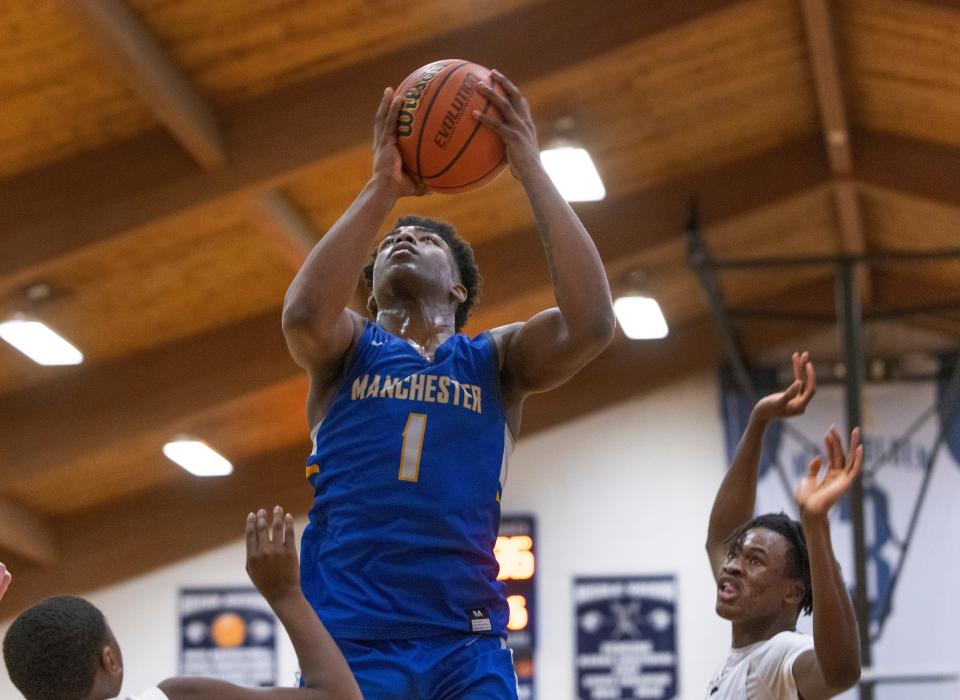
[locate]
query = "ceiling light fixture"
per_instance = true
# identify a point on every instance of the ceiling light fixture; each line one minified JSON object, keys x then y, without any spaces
{"x":39,"y":342}
{"x":640,"y":317}
{"x":574,"y":174}
{"x":197,"y":457}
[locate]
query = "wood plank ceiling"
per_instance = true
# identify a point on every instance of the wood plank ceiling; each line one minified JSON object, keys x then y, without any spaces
{"x":165,"y":165}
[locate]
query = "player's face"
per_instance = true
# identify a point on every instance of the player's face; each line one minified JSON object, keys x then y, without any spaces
{"x":753,"y":582}
{"x":413,"y":255}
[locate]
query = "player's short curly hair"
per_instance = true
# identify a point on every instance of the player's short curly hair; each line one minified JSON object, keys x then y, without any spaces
{"x":462,"y":255}
{"x":798,"y":559}
{"x":52,"y":650}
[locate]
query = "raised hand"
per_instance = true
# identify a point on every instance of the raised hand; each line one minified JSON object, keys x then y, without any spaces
{"x":272,"y":554}
{"x":815,"y":495}
{"x":793,"y":400}
{"x":387,"y":163}
{"x":5,"y":578}
{"x":516,"y":126}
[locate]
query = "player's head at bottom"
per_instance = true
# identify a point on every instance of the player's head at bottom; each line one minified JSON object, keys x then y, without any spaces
{"x":62,"y":649}
{"x":765,"y":576}
{"x":423,"y":261}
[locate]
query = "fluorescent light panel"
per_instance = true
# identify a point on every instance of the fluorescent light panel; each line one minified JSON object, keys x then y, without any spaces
{"x":197,"y":457}
{"x":39,"y":342}
{"x":640,"y":318}
{"x":573,"y":172}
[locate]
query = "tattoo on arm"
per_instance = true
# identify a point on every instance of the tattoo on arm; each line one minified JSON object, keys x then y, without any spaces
{"x":543,"y":226}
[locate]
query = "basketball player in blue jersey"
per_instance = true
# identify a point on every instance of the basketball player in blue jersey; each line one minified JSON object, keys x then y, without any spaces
{"x":413,"y":422}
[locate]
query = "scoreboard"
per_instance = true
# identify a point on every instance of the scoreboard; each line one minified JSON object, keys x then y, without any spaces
{"x":516,"y":553}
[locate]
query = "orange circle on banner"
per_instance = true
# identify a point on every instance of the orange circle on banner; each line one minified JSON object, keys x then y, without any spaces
{"x":228,"y":630}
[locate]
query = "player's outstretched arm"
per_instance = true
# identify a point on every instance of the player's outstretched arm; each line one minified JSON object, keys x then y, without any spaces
{"x":553,"y":345}
{"x":273,"y":567}
{"x":834,"y":663}
{"x":735,"y":499}
{"x":316,"y":322}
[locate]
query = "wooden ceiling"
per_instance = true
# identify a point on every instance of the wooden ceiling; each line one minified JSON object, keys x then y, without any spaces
{"x":166,"y":164}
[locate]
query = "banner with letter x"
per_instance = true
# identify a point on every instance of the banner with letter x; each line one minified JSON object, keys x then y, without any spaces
{"x":626,"y":637}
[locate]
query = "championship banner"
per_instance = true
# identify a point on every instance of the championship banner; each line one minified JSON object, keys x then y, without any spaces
{"x":228,"y":633}
{"x":910,"y":477}
{"x":626,"y":637}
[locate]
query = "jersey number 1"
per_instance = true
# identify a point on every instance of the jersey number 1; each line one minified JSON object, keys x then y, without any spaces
{"x":412,"y":447}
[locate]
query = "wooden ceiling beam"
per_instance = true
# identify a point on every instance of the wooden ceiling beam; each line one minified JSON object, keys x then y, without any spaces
{"x":134,"y":535}
{"x":822,"y":50}
{"x":44,"y":425}
{"x":907,"y":165}
{"x":287,"y":228}
{"x":628,"y":368}
{"x":292,"y":234}
{"x":129,"y":47}
{"x":948,"y":4}
{"x":626,"y":225}
{"x":26,"y":534}
{"x":125,"y":187}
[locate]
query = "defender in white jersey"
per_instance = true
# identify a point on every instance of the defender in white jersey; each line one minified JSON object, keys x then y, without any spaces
{"x":770,"y":568}
{"x":62,"y":648}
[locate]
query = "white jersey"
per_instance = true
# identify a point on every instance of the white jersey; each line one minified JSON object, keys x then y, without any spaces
{"x":148,"y":694}
{"x":760,"y":671}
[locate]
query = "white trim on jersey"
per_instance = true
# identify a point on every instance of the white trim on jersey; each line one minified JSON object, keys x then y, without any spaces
{"x":507,"y":452}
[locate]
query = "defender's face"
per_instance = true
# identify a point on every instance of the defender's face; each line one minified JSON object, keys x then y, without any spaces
{"x":413,"y":252}
{"x":753,"y":583}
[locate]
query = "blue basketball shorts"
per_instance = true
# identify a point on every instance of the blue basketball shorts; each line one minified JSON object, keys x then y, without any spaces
{"x":445,"y":667}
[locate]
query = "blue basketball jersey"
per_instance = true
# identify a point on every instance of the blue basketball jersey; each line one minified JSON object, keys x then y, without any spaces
{"x":407,"y":468}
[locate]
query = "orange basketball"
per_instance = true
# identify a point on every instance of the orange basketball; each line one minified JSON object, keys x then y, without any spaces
{"x":441,"y":143}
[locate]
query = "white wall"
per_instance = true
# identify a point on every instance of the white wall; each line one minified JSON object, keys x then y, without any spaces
{"x":626,"y":490}
{"x":622,"y":491}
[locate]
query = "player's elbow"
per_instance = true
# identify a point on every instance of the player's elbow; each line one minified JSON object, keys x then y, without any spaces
{"x":606,"y":326}
{"x":598,"y":333}
{"x":297,"y":314}
{"x":303,"y":318}
{"x":843,"y":678}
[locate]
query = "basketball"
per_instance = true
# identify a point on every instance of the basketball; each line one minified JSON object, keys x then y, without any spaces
{"x":441,"y":143}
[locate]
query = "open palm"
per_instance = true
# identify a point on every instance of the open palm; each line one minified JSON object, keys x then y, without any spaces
{"x":793,"y":400}
{"x":815,"y":495}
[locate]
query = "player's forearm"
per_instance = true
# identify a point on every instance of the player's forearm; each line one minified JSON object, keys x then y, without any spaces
{"x":734,"y":503}
{"x":576,"y":270}
{"x":321,"y":663}
{"x":326,"y":281}
{"x":836,"y":637}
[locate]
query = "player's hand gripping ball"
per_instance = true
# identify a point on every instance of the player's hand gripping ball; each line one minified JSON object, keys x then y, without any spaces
{"x":440,"y":141}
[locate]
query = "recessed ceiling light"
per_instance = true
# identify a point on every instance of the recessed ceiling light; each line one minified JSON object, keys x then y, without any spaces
{"x":39,"y":342}
{"x":197,"y":457}
{"x":640,"y":318}
{"x":573,"y":172}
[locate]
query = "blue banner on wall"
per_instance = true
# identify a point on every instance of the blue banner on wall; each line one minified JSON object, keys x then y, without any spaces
{"x":228,"y":633}
{"x":626,"y":637}
{"x":911,"y":485}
